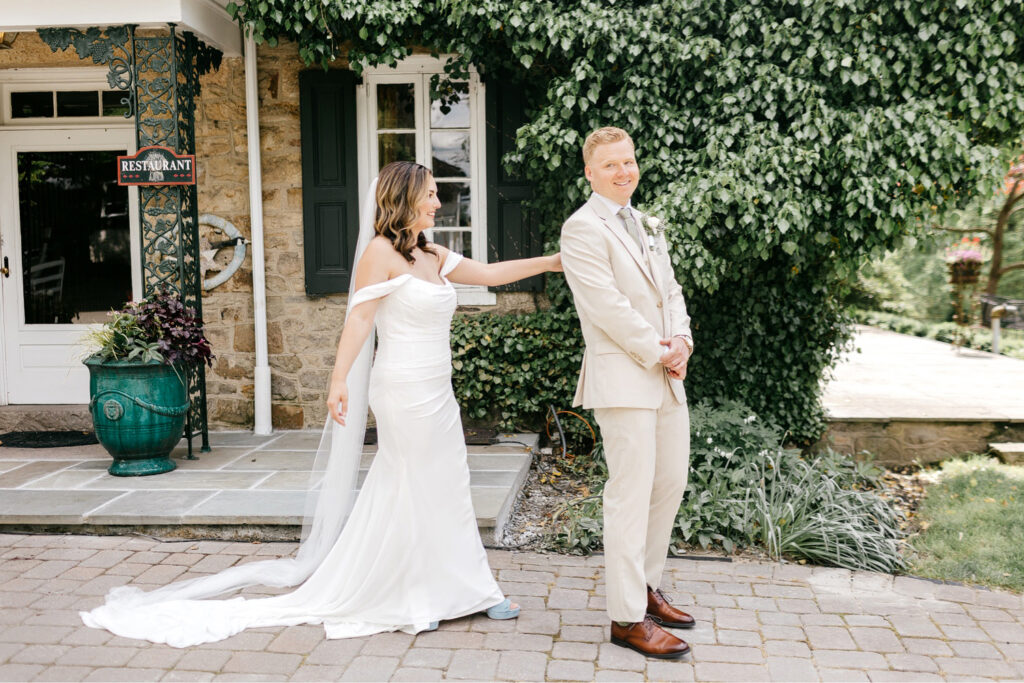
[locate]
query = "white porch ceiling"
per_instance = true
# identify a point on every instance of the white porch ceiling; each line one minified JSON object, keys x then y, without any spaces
{"x":206,"y":18}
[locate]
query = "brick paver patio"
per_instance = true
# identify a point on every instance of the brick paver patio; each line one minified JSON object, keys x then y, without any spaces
{"x":756,"y":621}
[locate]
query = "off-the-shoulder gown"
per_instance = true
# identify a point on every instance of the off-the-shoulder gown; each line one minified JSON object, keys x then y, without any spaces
{"x":410,"y":552}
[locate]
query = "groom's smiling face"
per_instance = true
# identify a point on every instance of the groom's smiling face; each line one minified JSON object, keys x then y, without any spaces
{"x":612,"y":171}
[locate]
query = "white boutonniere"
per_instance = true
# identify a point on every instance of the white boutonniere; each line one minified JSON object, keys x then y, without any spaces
{"x":654,"y":229}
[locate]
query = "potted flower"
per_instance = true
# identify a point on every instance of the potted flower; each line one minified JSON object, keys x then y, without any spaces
{"x":964,"y":260}
{"x":137,"y":388}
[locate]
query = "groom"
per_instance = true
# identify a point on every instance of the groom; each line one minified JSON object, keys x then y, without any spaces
{"x":638,"y":342}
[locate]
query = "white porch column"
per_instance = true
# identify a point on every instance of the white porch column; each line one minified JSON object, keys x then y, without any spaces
{"x":261,"y":377}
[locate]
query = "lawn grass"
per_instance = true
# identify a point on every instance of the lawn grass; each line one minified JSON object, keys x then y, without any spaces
{"x":973,"y":521}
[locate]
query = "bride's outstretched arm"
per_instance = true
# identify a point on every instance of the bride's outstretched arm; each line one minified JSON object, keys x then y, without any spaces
{"x":470,"y":272}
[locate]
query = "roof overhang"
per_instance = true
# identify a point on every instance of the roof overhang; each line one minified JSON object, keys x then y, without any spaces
{"x":208,"y":19}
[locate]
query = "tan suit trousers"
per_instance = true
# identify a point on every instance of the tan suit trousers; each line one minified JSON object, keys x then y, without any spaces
{"x":648,"y":455}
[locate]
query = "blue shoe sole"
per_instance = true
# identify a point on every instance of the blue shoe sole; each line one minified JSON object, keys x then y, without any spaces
{"x":503,"y":611}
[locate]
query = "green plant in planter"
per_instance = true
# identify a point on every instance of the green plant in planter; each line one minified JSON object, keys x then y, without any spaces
{"x":138,"y":396}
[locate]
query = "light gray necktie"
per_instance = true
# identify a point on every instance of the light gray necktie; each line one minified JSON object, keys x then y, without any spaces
{"x":631,"y":227}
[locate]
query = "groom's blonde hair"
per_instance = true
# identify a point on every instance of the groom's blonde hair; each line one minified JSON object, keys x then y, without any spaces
{"x":603,"y":136}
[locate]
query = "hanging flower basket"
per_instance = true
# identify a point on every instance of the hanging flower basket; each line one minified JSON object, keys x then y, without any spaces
{"x":964,"y":272}
{"x":964,"y":260}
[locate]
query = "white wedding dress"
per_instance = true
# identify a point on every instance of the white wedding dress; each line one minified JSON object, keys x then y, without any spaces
{"x":409,"y":553}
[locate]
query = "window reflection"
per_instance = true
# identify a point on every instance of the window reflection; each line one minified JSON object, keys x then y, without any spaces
{"x":30,"y":105}
{"x":112,"y":104}
{"x":78,"y":103}
{"x":395,"y":147}
{"x":454,"y":211}
{"x":459,"y":241}
{"x":75,"y":237}
{"x":452,"y":114}
{"x":450,"y":154}
{"x":396,"y":105}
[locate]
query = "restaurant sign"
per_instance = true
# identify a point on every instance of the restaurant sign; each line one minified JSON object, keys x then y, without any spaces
{"x":156,"y":165}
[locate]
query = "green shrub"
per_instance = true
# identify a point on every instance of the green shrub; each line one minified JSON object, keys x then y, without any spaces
{"x":746,"y":489}
{"x":507,"y":369}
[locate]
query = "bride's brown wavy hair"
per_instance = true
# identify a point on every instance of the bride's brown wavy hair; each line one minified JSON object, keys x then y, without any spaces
{"x":401,"y":186}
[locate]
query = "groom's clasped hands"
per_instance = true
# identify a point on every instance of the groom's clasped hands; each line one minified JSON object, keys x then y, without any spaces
{"x":676,"y":357}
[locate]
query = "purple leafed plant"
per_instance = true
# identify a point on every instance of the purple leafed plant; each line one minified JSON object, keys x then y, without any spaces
{"x":174,"y":327}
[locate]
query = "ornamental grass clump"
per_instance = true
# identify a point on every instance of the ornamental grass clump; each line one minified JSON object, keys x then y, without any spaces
{"x":159,"y":329}
{"x":800,"y":508}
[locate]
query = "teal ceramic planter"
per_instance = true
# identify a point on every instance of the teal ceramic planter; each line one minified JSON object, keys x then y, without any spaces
{"x":138,"y":411}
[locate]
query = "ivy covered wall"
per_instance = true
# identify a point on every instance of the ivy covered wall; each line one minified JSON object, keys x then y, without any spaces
{"x":784,"y":141}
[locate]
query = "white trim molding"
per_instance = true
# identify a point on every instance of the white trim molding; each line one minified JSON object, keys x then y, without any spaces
{"x":54,"y":79}
{"x":208,"y":19}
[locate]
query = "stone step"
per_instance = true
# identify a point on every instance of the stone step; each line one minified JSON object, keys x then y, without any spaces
{"x":246,"y":480}
{"x":45,"y":418}
{"x":1010,"y":453}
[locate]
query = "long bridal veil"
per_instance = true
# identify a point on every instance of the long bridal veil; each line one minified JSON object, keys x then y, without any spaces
{"x":329,"y":501}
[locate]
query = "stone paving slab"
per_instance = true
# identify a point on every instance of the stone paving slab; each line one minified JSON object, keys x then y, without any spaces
{"x":898,"y":376}
{"x":756,"y":622}
{"x":245,"y":480}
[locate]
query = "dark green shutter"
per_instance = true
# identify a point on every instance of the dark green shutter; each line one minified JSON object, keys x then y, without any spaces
{"x":330,"y":183}
{"x":511,"y":229}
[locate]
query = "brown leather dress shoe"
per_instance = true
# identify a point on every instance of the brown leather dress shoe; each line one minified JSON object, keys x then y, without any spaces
{"x":664,"y":614}
{"x":649,"y":639}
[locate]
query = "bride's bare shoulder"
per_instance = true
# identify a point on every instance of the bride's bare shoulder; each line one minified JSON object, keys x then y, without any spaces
{"x":380,"y":245}
{"x":377,"y":262}
{"x":440,"y":253}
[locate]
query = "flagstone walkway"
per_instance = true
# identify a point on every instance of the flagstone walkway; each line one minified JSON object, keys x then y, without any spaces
{"x":756,"y":622}
{"x":246,"y":486}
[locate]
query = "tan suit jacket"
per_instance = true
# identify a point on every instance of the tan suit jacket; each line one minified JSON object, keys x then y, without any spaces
{"x":628,"y":300}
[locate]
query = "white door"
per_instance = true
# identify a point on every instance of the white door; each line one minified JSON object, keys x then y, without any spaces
{"x":69,"y":243}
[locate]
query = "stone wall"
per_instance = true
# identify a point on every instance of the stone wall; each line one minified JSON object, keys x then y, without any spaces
{"x":302,"y":331}
{"x":905,"y":442}
{"x":30,"y":52}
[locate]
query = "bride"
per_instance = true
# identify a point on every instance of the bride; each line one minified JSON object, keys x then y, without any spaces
{"x":403,"y":552}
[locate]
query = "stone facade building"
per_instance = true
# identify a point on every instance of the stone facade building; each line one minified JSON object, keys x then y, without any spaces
{"x":350,"y":128}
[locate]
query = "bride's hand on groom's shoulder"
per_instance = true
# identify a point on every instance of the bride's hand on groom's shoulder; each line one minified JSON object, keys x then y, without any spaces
{"x":337,"y":401}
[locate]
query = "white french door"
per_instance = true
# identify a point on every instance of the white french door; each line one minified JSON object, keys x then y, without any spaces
{"x":70,"y":253}
{"x":401,"y":122}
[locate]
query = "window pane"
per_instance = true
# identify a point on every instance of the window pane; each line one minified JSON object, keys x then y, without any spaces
{"x":26,"y":105}
{"x":395,"y":147}
{"x":450,"y":154}
{"x":457,"y":115}
{"x":396,"y":105}
{"x":459,"y":241}
{"x":112,"y":103}
{"x":78,"y":103}
{"x":454,"y":211}
{"x":77,"y":264}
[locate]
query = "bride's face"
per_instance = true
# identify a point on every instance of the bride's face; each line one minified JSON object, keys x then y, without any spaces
{"x":426,"y":208}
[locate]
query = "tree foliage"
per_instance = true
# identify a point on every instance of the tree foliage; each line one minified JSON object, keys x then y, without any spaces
{"x":784,"y":141}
